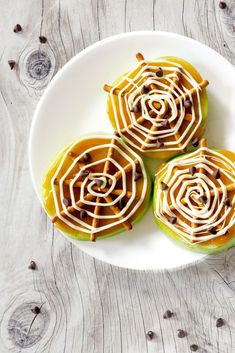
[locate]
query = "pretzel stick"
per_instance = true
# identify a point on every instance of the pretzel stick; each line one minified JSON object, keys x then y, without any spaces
{"x":139,"y":57}
{"x":192,"y":91}
{"x":108,"y":89}
{"x":127,"y":169}
{"x":116,"y":211}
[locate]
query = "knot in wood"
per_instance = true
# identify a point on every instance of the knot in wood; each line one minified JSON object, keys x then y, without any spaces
{"x":26,"y":328}
{"x":38,"y":65}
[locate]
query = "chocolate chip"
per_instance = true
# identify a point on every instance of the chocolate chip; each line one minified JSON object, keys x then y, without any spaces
{"x":83,"y":214}
{"x":220,"y":322}
{"x":159,"y":144}
{"x":149,"y":335}
{"x":195,"y":142}
{"x":172,"y":220}
{"x":192,"y":170}
{"x":203,"y":199}
{"x":121,"y":203}
{"x":137,"y":108}
{"x":187,"y":103}
{"x":164,"y":123}
{"x":222,"y":5}
{"x":17,"y":28}
{"x":42,"y":39}
{"x":12,"y":64}
{"x":86,"y":158}
{"x":98,"y":182}
{"x":32,"y":265}
{"x":194,"y":347}
{"x":36,"y":310}
{"x":144,"y":89}
{"x":227,"y":202}
{"x":212,"y":230}
{"x":164,"y":186}
{"x":66,"y":202}
{"x":181,"y":333}
{"x":168,"y":314}
{"x":138,"y":175}
{"x":84,"y":173}
{"x":159,"y":72}
{"x":216,"y":174}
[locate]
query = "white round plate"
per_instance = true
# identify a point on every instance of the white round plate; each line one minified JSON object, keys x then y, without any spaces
{"x":74,"y":103}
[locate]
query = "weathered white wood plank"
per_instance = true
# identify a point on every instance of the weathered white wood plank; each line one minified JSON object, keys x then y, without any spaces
{"x":89,"y":306}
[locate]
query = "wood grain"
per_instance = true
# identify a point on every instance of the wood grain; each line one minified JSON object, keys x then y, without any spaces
{"x":88,"y":306}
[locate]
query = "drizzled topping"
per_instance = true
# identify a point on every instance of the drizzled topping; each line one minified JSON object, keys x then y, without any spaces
{"x":103,"y":188}
{"x":157,"y":105}
{"x":198,"y":203}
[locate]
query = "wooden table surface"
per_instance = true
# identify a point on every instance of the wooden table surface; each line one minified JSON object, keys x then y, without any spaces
{"x":88,"y":306}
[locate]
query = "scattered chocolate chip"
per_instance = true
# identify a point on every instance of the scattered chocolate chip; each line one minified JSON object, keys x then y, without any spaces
{"x":227,"y":202}
{"x":42,"y":39}
{"x":12,"y":64}
{"x":84,"y":173}
{"x":138,"y":175}
{"x":121,"y":203}
{"x":164,"y":186}
{"x":83,"y":214}
{"x":66,"y":202}
{"x":117,"y":134}
{"x":168,"y":314}
{"x":194,"y":347}
{"x":159,"y":144}
{"x":36,"y":310}
{"x":195,"y":142}
{"x":137,"y":108}
{"x":17,"y":28}
{"x":98,"y":182}
{"x":164,"y":123}
{"x":144,"y":89}
{"x":181,"y":333}
{"x":222,"y":5}
{"x":220,"y":322}
{"x":32,"y":265}
{"x":203,"y":199}
{"x":192,"y":170}
{"x":212,"y":230}
{"x":86,"y":158}
{"x":159,"y":72}
{"x":149,"y":335}
{"x":187,"y":103}
{"x":172,"y":220}
{"x":216,"y":174}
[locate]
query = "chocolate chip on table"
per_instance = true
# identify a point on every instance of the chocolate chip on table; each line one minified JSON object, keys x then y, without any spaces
{"x":83,"y":214}
{"x":192,"y":170}
{"x":164,"y":186}
{"x":194,"y":347}
{"x":159,"y":72}
{"x":98,"y":182}
{"x":222,"y":5}
{"x":168,"y":314}
{"x":32,"y":265}
{"x":159,"y":144}
{"x":216,"y":174}
{"x":36,"y":310}
{"x":227,"y":202}
{"x":195,"y":142}
{"x":181,"y":333}
{"x":172,"y":220}
{"x":86,"y":158}
{"x":149,"y":335}
{"x":42,"y":39}
{"x":203,"y":199}
{"x":84,"y":173}
{"x":17,"y":28}
{"x":144,"y":89}
{"x":12,"y":64}
{"x":138,"y":175}
{"x":212,"y":230}
{"x":66,"y":202}
{"x":187,"y":103}
{"x":220,"y":322}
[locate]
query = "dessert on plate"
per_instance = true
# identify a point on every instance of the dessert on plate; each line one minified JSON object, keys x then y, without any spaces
{"x":97,"y":187}
{"x":194,"y":198}
{"x":159,"y":107}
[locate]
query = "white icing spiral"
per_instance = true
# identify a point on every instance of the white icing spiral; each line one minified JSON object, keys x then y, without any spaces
{"x":108,"y":184}
{"x":165,"y":98}
{"x":194,"y":220}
